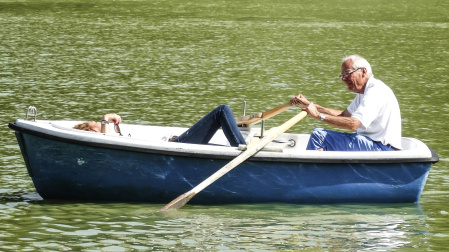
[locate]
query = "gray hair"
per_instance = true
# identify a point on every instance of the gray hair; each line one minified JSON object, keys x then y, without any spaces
{"x":359,"y":62}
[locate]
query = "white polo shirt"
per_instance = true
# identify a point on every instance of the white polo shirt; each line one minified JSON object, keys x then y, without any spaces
{"x":378,"y":112}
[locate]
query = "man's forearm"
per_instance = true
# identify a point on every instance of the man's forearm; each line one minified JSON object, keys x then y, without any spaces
{"x":329,"y":111}
{"x":341,"y":122}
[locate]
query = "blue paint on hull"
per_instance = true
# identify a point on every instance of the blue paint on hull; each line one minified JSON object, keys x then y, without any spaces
{"x":70,"y":171}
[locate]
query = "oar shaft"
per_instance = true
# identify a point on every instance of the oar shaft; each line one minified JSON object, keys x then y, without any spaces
{"x":255,"y":146}
{"x":257,"y":117}
{"x":277,"y":110}
{"x":252,"y":148}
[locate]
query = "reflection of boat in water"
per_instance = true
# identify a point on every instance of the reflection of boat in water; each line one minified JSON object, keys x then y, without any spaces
{"x":141,"y":165}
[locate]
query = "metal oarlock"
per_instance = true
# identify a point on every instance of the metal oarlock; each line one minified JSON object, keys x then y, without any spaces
{"x":290,"y":142}
{"x":32,"y":110}
{"x":262,"y":129}
{"x":244,"y":108}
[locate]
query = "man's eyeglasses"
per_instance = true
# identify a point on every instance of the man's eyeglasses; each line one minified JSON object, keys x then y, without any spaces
{"x":344,"y":75}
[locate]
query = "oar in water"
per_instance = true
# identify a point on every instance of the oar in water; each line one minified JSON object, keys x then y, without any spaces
{"x":257,"y":117}
{"x":252,"y":148}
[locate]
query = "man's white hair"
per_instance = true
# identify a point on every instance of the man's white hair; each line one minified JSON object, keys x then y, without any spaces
{"x":359,"y":62}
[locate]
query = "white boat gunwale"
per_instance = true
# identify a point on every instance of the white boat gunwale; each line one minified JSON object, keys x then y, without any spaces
{"x":45,"y":129}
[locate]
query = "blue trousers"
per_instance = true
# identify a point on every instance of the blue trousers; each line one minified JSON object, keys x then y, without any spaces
{"x":202,"y":131}
{"x":329,"y":140}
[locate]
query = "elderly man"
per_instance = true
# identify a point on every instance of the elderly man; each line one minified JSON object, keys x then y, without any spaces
{"x":374,"y":113}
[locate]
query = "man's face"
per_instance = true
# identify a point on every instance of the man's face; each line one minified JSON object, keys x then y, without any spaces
{"x":353,"y":78}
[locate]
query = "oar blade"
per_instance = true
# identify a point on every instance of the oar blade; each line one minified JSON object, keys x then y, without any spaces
{"x":178,"y":202}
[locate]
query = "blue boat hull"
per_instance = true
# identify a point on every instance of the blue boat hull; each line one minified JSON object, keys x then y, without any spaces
{"x":70,"y":171}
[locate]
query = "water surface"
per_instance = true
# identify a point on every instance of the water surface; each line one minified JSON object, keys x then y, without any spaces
{"x":170,"y":62}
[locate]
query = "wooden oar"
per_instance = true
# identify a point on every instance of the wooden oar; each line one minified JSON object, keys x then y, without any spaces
{"x":257,"y":117}
{"x":252,"y":148}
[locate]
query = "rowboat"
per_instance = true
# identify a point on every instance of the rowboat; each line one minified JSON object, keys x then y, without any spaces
{"x":142,"y":165}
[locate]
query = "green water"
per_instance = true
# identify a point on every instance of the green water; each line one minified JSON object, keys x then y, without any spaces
{"x":170,"y":62}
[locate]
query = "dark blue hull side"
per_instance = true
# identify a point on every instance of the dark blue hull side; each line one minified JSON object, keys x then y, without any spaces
{"x":70,"y":171}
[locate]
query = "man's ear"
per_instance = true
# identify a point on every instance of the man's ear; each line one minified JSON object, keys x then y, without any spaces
{"x":364,"y":71}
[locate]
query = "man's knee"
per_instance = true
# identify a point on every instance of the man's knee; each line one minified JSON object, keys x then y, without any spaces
{"x":318,"y":132}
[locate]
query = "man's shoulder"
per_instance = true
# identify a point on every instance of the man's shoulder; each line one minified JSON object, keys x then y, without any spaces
{"x":376,"y":84}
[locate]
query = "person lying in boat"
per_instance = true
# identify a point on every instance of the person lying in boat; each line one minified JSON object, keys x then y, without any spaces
{"x":200,"y":133}
{"x":103,"y":125}
{"x":374,"y":113}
